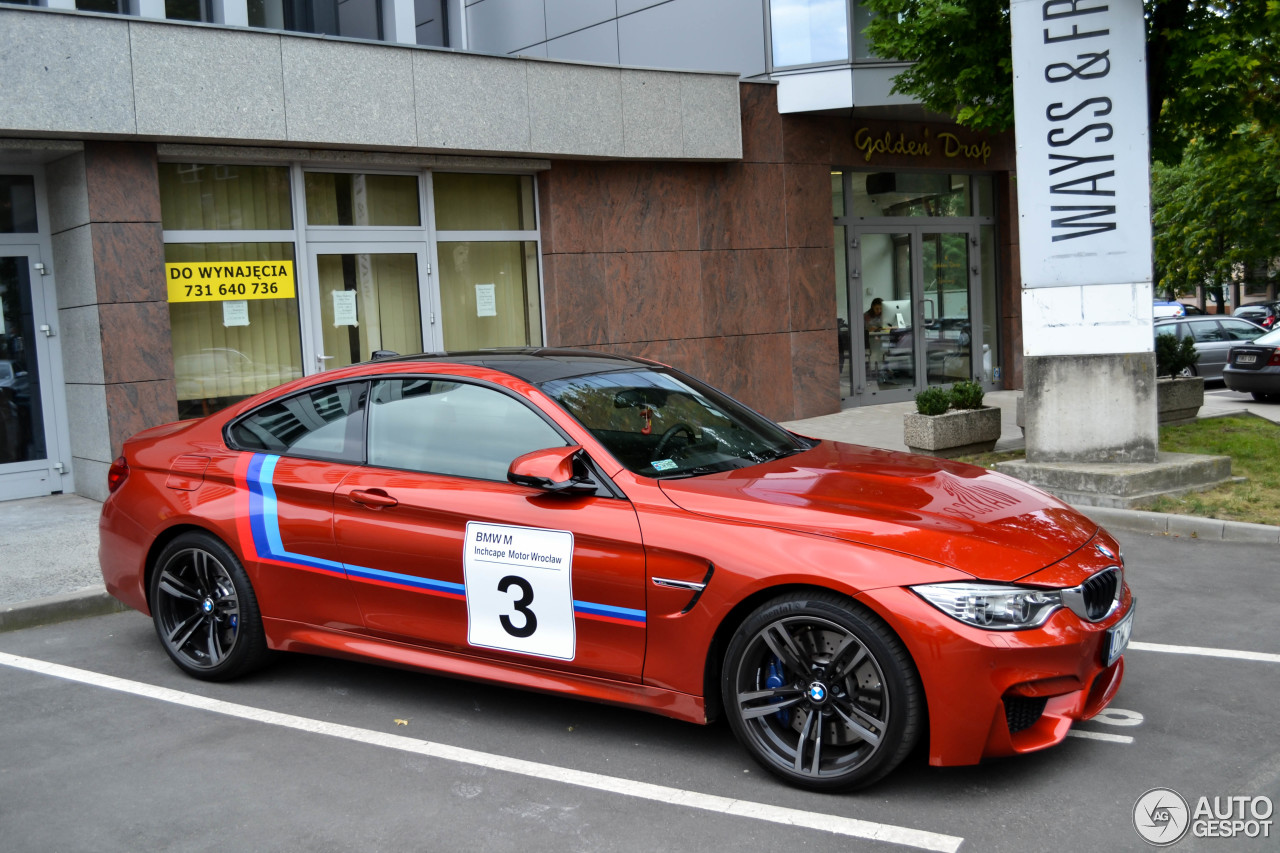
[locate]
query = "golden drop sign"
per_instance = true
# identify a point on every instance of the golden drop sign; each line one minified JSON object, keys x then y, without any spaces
{"x":222,"y":281}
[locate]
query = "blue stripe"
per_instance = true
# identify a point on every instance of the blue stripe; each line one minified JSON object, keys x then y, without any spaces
{"x":264,"y":521}
{"x":406,"y":580}
{"x":609,"y":610}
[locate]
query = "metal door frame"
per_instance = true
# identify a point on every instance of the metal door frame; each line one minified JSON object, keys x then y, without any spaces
{"x":52,"y":474}
{"x":915,"y":229}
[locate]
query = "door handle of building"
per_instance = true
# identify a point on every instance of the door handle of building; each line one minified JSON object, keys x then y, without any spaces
{"x":321,"y":359}
{"x":373,"y":498}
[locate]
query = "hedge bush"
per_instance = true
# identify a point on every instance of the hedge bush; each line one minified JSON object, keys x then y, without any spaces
{"x":966,"y":395}
{"x":933,"y":401}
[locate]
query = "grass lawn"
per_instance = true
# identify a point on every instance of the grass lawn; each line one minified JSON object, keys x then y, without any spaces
{"x":1254,"y":447}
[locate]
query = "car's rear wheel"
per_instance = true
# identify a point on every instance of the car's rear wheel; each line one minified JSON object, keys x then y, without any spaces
{"x":204,"y":609}
{"x":821,"y":692}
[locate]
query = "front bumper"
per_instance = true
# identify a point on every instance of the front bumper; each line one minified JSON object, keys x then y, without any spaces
{"x":994,"y":693}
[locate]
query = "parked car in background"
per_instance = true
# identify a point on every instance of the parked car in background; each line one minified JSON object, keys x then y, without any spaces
{"x":1190,"y":310}
{"x":1265,"y":314}
{"x":1255,"y":368}
{"x":1164,"y":310}
{"x":1214,"y":337}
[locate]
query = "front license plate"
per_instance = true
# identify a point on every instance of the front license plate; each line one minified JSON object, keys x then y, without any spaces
{"x":1118,"y":639}
{"x":1246,"y":359}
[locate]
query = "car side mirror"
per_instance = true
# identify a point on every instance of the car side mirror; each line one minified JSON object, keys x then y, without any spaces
{"x":551,"y":470}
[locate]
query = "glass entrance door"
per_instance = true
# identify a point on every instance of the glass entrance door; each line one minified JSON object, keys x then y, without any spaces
{"x":370,"y":297}
{"x":914,"y":288}
{"x":28,"y":428}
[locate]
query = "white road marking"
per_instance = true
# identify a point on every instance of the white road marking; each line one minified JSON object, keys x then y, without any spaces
{"x":1265,"y":657}
{"x":1109,"y":738}
{"x":851,"y":827}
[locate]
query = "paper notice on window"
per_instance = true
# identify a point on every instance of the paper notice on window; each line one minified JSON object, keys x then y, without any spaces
{"x":344,"y":308}
{"x":486,"y":301}
{"x":235,"y":313}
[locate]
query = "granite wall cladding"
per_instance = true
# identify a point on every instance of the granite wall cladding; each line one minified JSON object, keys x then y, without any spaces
{"x":724,"y":270}
{"x":119,"y":286}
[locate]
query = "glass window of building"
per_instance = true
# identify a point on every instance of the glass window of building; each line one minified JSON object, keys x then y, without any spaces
{"x":204,"y":197}
{"x":225,"y":348}
{"x":431,"y":22}
{"x":337,"y":198}
{"x":228,"y":344}
{"x":807,"y":32}
{"x":488,"y":260}
{"x":909,"y":194}
{"x":361,"y":19}
{"x":112,"y":7}
{"x":187,"y":10}
{"x":18,"y":204}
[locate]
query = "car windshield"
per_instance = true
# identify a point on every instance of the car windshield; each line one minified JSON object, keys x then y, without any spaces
{"x":660,"y":423}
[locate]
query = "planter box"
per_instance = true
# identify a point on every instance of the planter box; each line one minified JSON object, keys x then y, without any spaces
{"x":1179,"y":400}
{"x":955,"y":433}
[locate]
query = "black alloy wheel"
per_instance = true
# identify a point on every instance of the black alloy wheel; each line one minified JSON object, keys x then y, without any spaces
{"x":821,"y":692}
{"x":204,"y":609}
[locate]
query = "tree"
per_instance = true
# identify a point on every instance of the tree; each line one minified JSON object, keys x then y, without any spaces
{"x":1217,"y":212}
{"x":1212,"y":65}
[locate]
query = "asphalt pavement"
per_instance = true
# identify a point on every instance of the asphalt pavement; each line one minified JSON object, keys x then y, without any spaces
{"x":107,"y":746}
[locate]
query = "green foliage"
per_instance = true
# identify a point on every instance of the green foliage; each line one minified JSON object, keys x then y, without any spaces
{"x":1211,"y":64}
{"x":966,"y":395}
{"x":933,"y":401}
{"x":1217,"y":212}
{"x":1174,"y":356}
{"x":963,"y":64}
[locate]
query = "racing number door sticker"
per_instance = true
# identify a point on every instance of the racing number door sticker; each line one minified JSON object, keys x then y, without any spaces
{"x":519,"y":589}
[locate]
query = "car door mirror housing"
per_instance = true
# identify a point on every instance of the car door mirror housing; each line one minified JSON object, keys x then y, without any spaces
{"x":551,"y":469}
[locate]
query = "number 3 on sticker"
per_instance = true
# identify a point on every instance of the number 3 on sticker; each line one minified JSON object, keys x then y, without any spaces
{"x":519,"y":589}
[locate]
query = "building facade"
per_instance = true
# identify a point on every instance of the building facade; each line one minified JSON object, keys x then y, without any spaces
{"x":201,"y":200}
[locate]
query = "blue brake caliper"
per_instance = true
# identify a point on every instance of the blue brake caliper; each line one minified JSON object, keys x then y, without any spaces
{"x":773,"y":680}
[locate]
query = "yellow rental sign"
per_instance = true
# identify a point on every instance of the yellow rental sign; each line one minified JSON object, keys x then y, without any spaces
{"x":221,"y":280}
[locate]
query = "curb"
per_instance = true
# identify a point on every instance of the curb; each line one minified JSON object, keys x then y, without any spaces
{"x":92,"y":601}
{"x":1191,"y":526}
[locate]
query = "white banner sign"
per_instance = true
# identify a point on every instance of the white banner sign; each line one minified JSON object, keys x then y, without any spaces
{"x":1080,"y":103}
{"x":519,"y":584}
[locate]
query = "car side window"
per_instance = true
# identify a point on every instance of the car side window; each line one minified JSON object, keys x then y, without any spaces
{"x":452,"y":428}
{"x":1206,"y":330}
{"x":1235,"y":330}
{"x":323,"y":423}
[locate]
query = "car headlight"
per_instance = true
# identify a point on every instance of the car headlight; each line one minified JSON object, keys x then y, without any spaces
{"x":997,"y":608}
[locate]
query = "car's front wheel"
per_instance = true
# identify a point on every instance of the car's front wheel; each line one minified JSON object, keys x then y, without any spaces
{"x":821,"y":692}
{"x":204,"y":609}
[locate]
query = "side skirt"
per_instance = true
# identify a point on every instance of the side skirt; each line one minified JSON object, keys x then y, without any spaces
{"x":290,"y":636}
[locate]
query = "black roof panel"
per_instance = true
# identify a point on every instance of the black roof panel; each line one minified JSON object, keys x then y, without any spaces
{"x":535,"y":365}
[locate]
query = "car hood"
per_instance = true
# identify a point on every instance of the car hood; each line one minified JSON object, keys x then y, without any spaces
{"x":987,"y":524}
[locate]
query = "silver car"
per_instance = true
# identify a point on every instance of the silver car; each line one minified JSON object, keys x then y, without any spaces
{"x":1214,"y":336}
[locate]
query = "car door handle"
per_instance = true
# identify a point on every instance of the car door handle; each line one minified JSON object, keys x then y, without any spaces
{"x":375,"y":498}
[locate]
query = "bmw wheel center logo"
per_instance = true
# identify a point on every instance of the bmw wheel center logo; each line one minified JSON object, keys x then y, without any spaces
{"x":207,"y":605}
{"x":817,"y":692}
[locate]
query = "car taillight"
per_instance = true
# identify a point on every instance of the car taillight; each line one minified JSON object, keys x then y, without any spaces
{"x":116,"y":474}
{"x":1274,"y":361}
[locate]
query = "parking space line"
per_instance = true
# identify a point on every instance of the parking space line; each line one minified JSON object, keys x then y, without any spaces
{"x":1265,"y":657}
{"x":1100,"y":736}
{"x":852,"y":827}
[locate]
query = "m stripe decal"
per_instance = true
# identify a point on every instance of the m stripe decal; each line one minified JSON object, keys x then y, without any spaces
{"x":264,"y":525}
